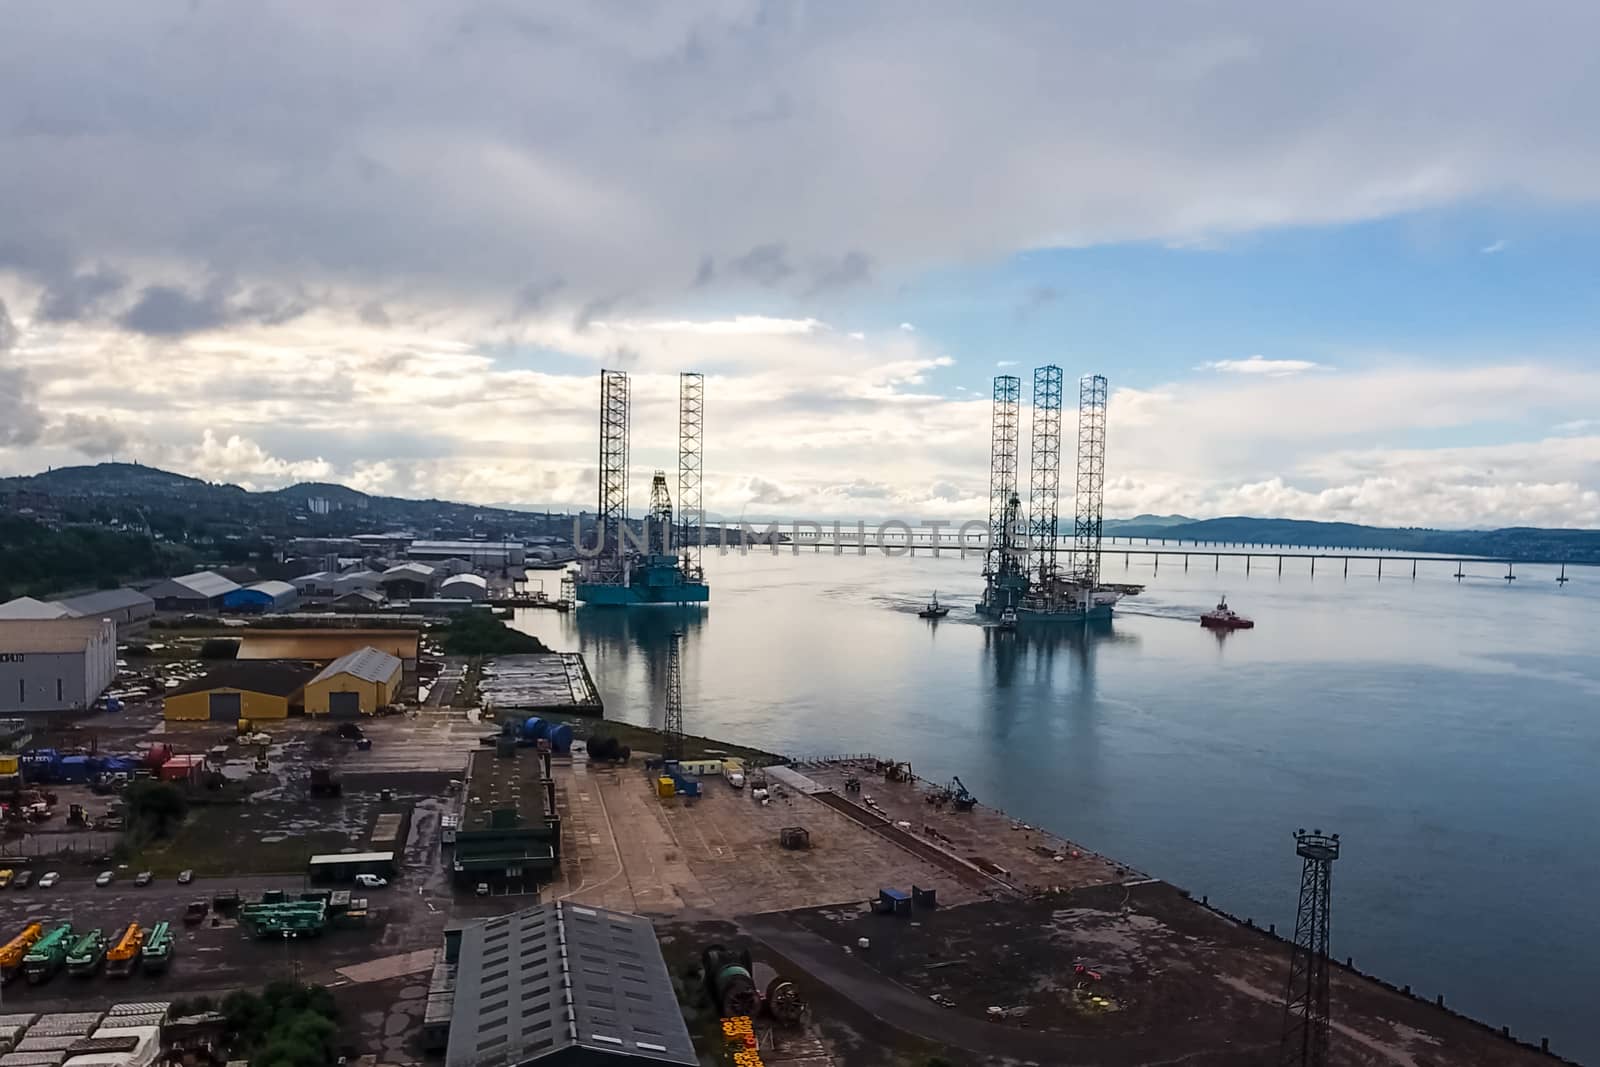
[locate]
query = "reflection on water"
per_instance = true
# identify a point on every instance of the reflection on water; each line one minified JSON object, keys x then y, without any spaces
{"x":1407,"y":715}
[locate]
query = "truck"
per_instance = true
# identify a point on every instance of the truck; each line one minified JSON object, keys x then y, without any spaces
{"x":733,"y":771}
{"x":12,"y":954}
{"x":87,"y":954}
{"x":195,"y":913}
{"x":157,"y":950}
{"x":123,"y":956}
{"x":45,"y":958}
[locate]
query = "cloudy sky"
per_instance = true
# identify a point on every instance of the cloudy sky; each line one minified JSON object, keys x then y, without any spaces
{"x":1337,"y":263}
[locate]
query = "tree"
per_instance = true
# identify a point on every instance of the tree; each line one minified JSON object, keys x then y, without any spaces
{"x":157,"y":806}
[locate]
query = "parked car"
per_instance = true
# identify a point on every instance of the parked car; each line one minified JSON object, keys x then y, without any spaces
{"x":49,"y":880}
{"x":144,"y":879}
{"x":105,"y":878}
{"x":185,"y":876}
{"x":371,"y":881}
{"x":23,"y":880}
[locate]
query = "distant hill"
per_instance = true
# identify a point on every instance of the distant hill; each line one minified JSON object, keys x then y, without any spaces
{"x":1516,"y":542}
{"x":178,"y":508}
{"x":1145,"y":522}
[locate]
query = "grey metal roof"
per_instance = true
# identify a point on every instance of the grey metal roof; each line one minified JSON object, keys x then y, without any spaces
{"x":49,"y":636}
{"x":409,"y":570}
{"x":107,"y":600}
{"x":368,"y":664}
{"x":206,"y":584}
{"x":466,"y":579}
{"x":276,"y":590}
{"x":26,"y":607}
{"x":537,"y":983}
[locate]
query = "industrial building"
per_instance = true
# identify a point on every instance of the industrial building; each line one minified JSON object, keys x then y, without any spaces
{"x":510,"y":833}
{"x":26,"y":607}
{"x":240,"y":690}
{"x":316,"y":584}
{"x":359,"y":683}
{"x":564,"y":984}
{"x":202,"y":591}
{"x":349,"y":583}
{"x":478,"y":553}
{"x":55,"y":664}
{"x":262,"y":598}
{"x":407,"y":581}
{"x":130,"y":609}
{"x":357,"y":602}
{"x":325,"y":646}
{"x":464,"y":587}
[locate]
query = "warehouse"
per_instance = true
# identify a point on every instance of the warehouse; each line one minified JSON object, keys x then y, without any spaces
{"x":464,"y":587}
{"x":349,"y":583}
{"x":201,"y":591}
{"x":26,"y":607}
{"x":55,"y":664}
{"x":361,"y":683}
{"x":510,"y":832}
{"x":583,"y":986}
{"x":128,"y":608}
{"x":479,"y":553}
{"x":325,"y":646}
{"x":316,"y":584}
{"x":357,"y":602}
{"x":406,"y":581}
{"x":240,"y":690}
{"x":262,"y":598}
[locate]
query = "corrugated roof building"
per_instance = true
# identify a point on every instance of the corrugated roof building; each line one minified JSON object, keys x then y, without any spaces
{"x":464,"y":587}
{"x":262,"y":690}
{"x":126,"y":607}
{"x":318,"y":583}
{"x":360,"y":683}
{"x":201,"y":591}
{"x":55,"y":664}
{"x":406,"y":581}
{"x":262,"y":597}
{"x":325,"y":646}
{"x":26,"y":607}
{"x":564,"y":984}
{"x":482,"y":553}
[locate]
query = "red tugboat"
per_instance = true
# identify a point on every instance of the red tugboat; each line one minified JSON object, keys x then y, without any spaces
{"x":1223,"y":617}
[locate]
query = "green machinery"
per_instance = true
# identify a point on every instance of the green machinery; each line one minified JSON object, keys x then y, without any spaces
{"x":48,"y":954}
{"x":291,"y":918}
{"x":157,"y":950}
{"x":87,"y":954}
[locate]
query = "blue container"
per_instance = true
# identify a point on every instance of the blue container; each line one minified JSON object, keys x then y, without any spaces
{"x":113,"y":704}
{"x":75,"y":769}
{"x":688,"y":787}
{"x":560,"y":737}
{"x":533,"y":728}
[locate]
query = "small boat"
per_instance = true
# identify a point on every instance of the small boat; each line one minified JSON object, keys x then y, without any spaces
{"x":1223,"y":617}
{"x":933,"y":610}
{"x":1008,"y":620}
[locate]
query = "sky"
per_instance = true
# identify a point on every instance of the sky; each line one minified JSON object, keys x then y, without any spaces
{"x":1337,"y":262}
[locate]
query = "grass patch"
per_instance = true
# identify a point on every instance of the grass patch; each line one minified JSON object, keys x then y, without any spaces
{"x":644,"y":739}
{"x":212,"y":843}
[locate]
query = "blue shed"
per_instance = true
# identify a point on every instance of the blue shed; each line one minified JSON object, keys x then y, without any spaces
{"x":261,"y":598}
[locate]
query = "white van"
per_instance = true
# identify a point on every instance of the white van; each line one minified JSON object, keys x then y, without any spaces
{"x":733,"y":771}
{"x":371,"y":881}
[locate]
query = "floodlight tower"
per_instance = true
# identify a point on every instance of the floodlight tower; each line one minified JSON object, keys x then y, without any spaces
{"x":1305,"y":1001}
{"x":672,"y":729}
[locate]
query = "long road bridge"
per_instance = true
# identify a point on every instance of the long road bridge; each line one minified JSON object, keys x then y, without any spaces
{"x":897,"y":541}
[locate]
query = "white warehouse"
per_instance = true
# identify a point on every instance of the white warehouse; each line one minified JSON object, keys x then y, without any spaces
{"x":55,"y":664}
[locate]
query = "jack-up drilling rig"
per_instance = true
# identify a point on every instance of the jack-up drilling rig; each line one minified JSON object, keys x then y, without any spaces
{"x":1021,"y":572}
{"x":665,"y":567}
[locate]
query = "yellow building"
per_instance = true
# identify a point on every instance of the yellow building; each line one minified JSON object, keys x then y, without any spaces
{"x":262,"y":690}
{"x":359,"y":683}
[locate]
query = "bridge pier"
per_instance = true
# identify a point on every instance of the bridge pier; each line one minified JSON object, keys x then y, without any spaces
{"x":1459,"y":574}
{"x":1313,"y":566}
{"x":1413,"y":569}
{"x":1280,"y":566}
{"x":1347,"y":566}
{"x":1247,"y":566}
{"x":1509,"y":576}
{"x":1217,"y":560}
{"x":1562,"y":579}
{"x":1380,"y":568}
{"x":1186,"y":563}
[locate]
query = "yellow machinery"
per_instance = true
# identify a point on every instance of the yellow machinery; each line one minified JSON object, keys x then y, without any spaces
{"x":12,"y":954}
{"x":124,"y":955}
{"x":665,"y":788}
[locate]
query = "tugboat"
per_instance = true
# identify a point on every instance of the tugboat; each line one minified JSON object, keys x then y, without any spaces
{"x":1223,"y":617}
{"x":1008,"y":620}
{"x":933,"y":610}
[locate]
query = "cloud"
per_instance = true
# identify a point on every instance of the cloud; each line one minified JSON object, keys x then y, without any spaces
{"x":1493,"y":247}
{"x":169,"y":311}
{"x":8,"y":329}
{"x":79,"y":297}
{"x":766,"y":264}
{"x":1005,"y":363}
{"x":1274,"y":368}
{"x":908,"y":328}
{"x":740,"y":325}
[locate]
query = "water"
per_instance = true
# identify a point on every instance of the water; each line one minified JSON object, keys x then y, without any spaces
{"x":1447,"y":730}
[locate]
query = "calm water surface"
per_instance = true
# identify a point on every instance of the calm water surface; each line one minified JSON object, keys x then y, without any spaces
{"x":1448,"y":731}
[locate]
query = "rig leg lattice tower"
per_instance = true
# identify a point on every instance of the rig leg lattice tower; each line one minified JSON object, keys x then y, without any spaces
{"x":672,"y":729}
{"x":691,"y":441}
{"x":1003,"y":472}
{"x":1044,"y":484}
{"x":611,"y":511}
{"x":660,"y":531}
{"x":1088,"y":504}
{"x":1305,"y":999}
